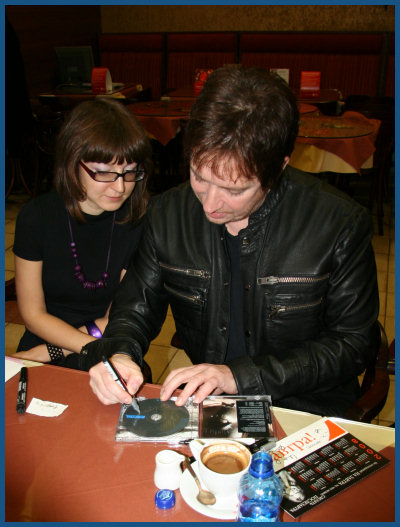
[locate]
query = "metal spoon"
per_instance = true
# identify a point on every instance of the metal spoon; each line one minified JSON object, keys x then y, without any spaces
{"x":204,"y":496}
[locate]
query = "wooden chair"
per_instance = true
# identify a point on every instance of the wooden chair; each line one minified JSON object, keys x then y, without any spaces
{"x":176,"y":341}
{"x":381,"y":108}
{"x":9,"y":290}
{"x":375,"y":384}
{"x":391,"y":363}
{"x":11,"y":311}
{"x":47,"y":125}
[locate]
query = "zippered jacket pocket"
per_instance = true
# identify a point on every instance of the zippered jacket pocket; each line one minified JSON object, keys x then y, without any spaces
{"x":187,"y":290}
{"x":293,"y":307}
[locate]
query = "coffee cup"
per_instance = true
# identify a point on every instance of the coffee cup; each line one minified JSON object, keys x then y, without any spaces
{"x":221,"y":464}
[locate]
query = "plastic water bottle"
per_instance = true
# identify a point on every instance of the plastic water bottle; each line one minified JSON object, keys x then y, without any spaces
{"x":260,"y":491}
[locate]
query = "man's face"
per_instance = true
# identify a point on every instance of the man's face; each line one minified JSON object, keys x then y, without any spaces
{"x":226,"y":198}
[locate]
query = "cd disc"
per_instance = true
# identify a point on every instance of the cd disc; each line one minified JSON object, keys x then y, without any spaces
{"x":156,"y":418}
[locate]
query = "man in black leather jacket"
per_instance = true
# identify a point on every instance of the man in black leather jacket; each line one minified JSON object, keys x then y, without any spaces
{"x":269,"y":272}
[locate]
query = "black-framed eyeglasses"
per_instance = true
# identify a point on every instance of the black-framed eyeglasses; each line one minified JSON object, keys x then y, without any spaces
{"x":130,"y":176}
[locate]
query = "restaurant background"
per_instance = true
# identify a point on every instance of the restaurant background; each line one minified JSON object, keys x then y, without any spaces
{"x":42,"y":27}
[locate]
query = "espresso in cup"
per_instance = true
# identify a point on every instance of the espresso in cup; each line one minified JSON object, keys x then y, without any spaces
{"x":224,"y":462}
{"x":221,"y":464}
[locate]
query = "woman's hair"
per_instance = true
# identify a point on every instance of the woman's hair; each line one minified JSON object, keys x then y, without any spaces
{"x":100,"y":130}
{"x":247,"y":116}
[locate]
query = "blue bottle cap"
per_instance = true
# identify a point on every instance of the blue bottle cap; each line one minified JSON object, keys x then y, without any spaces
{"x":165,"y":499}
{"x":261,"y":465}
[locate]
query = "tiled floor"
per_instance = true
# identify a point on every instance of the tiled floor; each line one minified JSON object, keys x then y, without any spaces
{"x":162,"y":357}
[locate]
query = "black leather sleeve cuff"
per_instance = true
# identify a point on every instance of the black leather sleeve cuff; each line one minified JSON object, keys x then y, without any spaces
{"x":93,"y":352}
{"x":246,"y":375}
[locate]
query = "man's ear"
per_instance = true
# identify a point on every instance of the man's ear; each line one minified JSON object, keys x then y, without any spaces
{"x":285,"y":162}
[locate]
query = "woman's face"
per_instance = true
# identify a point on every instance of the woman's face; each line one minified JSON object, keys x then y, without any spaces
{"x":101,"y":196}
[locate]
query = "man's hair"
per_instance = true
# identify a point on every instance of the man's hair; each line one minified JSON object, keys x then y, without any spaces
{"x":100,"y":130}
{"x":247,"y":116}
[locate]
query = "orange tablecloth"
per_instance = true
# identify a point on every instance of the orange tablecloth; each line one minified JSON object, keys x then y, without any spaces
{"x":306,"y":108}
{"x":162,"y":120}
{"x":70,"y":468}
{"x":355,"y":151}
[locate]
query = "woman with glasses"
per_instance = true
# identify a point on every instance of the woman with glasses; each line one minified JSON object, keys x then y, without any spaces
{"x":73,"y":244}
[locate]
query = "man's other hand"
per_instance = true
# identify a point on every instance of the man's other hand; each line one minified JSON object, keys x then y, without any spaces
{"x":200,"y":380}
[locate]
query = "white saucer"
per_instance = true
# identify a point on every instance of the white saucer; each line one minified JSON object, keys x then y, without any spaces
{"x":223,"y":508}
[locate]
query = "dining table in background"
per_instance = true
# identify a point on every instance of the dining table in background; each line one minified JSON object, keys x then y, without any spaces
{"x":322,"y":96}
{"x":329,"y":101}
{"x":70,"y":468}
{"x":163,"y":119}
{"x":65,"y":99}
{"x":185,"y":92}
{"x":342,"y":145}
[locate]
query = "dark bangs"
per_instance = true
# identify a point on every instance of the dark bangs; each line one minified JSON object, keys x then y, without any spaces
{"x":120,"y":140}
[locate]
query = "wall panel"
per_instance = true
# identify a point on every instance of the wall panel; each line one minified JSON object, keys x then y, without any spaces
{"x":41,"y":28}
{"x":128,"y":19}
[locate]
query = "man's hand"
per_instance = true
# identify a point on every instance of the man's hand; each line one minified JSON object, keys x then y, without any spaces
{"x":201,"y":380}
{"x":104,"y":386}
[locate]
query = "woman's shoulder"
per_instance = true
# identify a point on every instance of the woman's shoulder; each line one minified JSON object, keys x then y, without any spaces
{"x":38,"y":219}
{"x":44,"y":204}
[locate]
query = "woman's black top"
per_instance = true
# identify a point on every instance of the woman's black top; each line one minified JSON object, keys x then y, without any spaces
{"x":42,"y":234}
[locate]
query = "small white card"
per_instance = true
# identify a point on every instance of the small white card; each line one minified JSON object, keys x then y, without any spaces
{"x":282,"y":72}
{"x":45,"y":408}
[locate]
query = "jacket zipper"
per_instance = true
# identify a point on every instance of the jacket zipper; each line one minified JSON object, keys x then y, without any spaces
{"x":279,"y":309}
{"x":271,"y":280}
{"x":199,"y":273}
{"x":196,"y":299}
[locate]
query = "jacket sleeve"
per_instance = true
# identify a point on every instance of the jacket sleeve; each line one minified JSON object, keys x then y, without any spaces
{"x":344,"y":344}
{"x":137,"y":311}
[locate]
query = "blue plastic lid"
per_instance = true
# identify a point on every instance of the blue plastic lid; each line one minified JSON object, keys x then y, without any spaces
{"x":261,"y":465}
{"x":165,"y":499}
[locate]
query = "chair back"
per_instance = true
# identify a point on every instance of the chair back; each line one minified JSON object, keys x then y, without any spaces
{"x":375,"y":384}
{"x":381,"y":108}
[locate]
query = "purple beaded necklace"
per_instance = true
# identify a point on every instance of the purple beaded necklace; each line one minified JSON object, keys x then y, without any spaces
{"x":79,"y":274}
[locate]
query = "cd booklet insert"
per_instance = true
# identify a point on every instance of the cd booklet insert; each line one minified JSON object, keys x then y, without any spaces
{"x":218,"y":416}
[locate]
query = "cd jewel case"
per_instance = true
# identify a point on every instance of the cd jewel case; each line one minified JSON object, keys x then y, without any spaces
{"x":218,"y":416}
